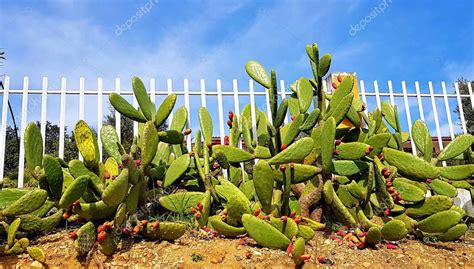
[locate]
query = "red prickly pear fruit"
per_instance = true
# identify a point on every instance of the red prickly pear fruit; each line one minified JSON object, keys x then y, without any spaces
{"x":367,"y":152}
{"x":389,"y":184}
{"x":155,"y":224}
{"x":363,"y":234}
{"x":283,"y":147}
{"x":187,"y":131}
{"x":371,"y":148}
{"x":391,"y":189}
{"x":289,"y":249}
{"x":341,"y":233}
{"x":136,"y":229}
{"x":334,"y":85}
{"x":339,"y":78}
{"x":231,"y":115}
{"x":387,"y":173}
{"x":321,"y":259}
{"x":293,"y":214}
{"x":337,"y":152}
{"x":193,"y":210}
{"x":387,"y":212}
{"x":106,"y":174}
{"x":138,"y":162}
{"x":361,"y":245}
{"x":197,"y":215}
{"x":73,"y":235}
{"x":380,"y":156}
{"x":284,"y":218}
{"x":337,"y":142}
{"x":257,"y":212}
{"x":282,"y":168}
{"x":77,"y":204}
{"x":100,"y":229}
{"x":120,"y":166}
{"x":229,"y":123}
{"x":428,"y":180}
{"x":66,"y":215}
{"x":144,"y":222}
{"x":305,"y":257}
{"x":101,"y":237}
{"x":226,"y":140}
{"x":216,"y":165}
{"x":391,"y":246}
{"x":293,"y":117}
{"x":292,"y":165}
{"x":200,"y":206}
{"x":298,"y":220}
{"x":206,"y":229}
{"x":384,"y":170}
{"x":209,"y":146}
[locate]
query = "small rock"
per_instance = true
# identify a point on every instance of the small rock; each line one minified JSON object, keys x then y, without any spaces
{"x":366,"y":264}
{"x":36,"y":264}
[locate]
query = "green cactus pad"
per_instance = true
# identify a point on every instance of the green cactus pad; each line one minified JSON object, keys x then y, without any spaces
{"x":443,"y":188}
{"x":410,"y":223}
{"x":162,"y":154}
{"x":373,"y":236}
{"x":110,"y":142}
{"x":304,"y":91}
{"x":421,"y":185}
{"x":339,"y":113}
{"x":86,"y":143}
{"x":264,"y":233}
{"x":453,"y":233}
{"x":422,"y":138}
{"x":263,"y":183}
{"x":44,"y":209}
{"x":33,"y":147}
{"x":409,"y":192}
{"x":10,"y":195}
{"x":257,"y":72}
{"x":97,"y":210}
{"x":77,"y":169}
{"x":109,"y":245}
{"x":181,"y":202}
{"x":378,"y":142}
{"x":48,"y":223}
{"x":460,"y":144}
{"x":125,"y":108}
{"x":343,"y":89}
{"x":237,"y":205}
{"x":316,"y":226}
{"x":352,"y":150}
{"x":298,"y":250}
{"x":305,"y":232}
{"x":12,"y":229}
{"x":281,"y":113}
{"x":324,"y":65}
{"x":166,"y":230}
{"x":206,"y":125}
{"x":132,"y":198}
{"x":261,"y":152}
{"x":341,"y":212}
{"x":86,"y":237}
{"x":165,"y":109}
{"x":348,"y":167}
{"x":36,"y":254}
{"x":431,"y":205}
{"x":19,"y":247}
{"x":119,"y":217}
{"x":394,"y":230}
{"x":302,"y":172}
{"x":226,"y":229}
{"x":310,"y":120}
{"x":149,"y":143}
{"x":54,"y":175}
{"x":292,"y":130}
{"x":139,"y":90}
{"x":26,"y":203}
{"x":171,"y":137}
{"x":366,"y":223}
{"x":206,"y":209}
{"x":288,"y":228}
{"x":410,"y":165}
{"x":328,"y":134}
{"x":233,"y":154}
{"x":389,"y":114}
{"x":74,"y":191}
{"x":116,"y":191}
{"x":180,"y":118}
{"x":458,"y":172}
{"x":439,"y":222}
{"x":293,"y":105}
{"x":294,"y":153}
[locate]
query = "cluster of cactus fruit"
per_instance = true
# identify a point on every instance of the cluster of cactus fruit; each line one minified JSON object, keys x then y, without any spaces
{"x":358,"y":176}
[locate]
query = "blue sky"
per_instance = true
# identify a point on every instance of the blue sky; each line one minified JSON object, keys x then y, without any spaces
{"x":405,"y":40}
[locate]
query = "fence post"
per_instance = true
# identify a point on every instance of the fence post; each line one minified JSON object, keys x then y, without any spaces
{"x":461,"y":109}
{"x":24,"y":114}
{"x":44,"y":100}
{"x":62,"y":118}
{"x":3,"y":129}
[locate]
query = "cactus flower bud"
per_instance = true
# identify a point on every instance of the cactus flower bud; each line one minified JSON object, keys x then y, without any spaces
{"x":284,"y":218}
{"x":337,"y":142}
{"x":101,"y":237}
{"x":66,"y":214}
{"x":200,"y":206}
{"x":73,"y":235}
{"x":209,"y":146}
{"x":293,"y":214}
{"x":136,"y":229}
{"x":100,"y":229}
{"x":283,"y":147}
{"x":257,"y":212}
{"x":293,"y":117}
{"x":298,"y":220}
{"x":231,"y":115}
{"x":187,"y":131}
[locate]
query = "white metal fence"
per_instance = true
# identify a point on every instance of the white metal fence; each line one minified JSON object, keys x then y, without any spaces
{"x":409,"y":98}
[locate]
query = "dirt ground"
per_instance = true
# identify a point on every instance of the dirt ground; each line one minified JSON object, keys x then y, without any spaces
{"x":196,"y":250}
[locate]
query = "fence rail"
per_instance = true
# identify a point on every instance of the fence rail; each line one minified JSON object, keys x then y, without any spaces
{"x":284,"y":92}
